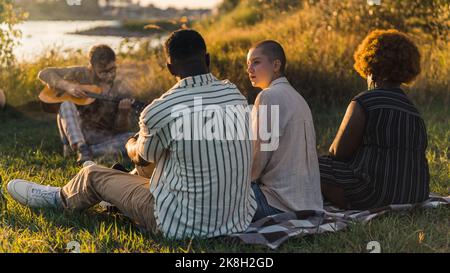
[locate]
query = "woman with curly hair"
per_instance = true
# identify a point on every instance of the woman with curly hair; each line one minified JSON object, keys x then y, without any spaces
{"x":378,"y":155}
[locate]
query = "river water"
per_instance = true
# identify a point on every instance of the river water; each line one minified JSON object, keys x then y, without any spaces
{"x":40,"y":36}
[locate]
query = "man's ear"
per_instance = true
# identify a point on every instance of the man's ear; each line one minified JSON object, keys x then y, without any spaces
{"x":207,"y":60}
{"x":171,"y":69}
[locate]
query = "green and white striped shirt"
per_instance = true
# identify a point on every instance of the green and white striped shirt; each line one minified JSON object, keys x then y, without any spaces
{"x":201,"y":186}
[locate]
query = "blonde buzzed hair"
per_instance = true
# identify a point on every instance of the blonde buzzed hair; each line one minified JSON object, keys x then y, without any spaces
{"x":274,"y":51}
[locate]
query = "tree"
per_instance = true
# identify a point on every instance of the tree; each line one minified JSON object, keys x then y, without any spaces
{"x":9,"y":17}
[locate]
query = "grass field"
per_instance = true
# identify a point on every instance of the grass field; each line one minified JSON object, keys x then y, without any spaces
{"x":319,"y":38}
{"x":30,"y":149}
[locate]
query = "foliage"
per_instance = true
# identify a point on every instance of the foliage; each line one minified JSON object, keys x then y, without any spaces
{"x":320,"y":38}
{"x":9,"y":17}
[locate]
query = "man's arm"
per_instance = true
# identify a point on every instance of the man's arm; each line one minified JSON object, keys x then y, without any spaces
{"x":122,"y":122}
{"x":123,"y":117}
{"x":132,"y":150}
{"x":149,"y":144}
{"x":350,"y":134}
{"x":61,"y":78}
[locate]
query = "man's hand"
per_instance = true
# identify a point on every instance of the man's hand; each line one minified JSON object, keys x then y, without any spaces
{"x":125,"y":105}
{"x":75,"y":90}
{"x":133,"y":154}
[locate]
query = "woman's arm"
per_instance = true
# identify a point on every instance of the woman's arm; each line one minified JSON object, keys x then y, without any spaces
{"x":350,"y":134}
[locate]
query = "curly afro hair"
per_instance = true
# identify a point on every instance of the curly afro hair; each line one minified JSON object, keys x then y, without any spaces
{"x":388,"y":55}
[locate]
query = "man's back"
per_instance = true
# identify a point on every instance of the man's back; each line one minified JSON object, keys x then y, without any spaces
{"x":202,"y":181}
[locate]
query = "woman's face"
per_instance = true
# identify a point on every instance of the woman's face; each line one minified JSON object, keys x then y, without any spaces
{"x":261,"y":70}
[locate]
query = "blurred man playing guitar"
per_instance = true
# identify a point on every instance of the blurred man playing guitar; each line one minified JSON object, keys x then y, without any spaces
{"x":98,"y":127}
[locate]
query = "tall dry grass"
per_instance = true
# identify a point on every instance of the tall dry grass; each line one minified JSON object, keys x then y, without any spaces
{"x":319,"y":38}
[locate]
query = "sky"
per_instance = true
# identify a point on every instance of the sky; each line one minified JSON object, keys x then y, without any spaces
{"x":182,"y":3}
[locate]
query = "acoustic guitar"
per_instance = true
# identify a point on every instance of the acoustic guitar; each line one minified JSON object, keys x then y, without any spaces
{"x":55,"y":97}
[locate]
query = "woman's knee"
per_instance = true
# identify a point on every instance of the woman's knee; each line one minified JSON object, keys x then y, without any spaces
{"x":334,"y":193}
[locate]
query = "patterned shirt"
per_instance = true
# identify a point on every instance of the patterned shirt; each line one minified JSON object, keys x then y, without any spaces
{"x":201,"y":186}
{"x":391,"y":162}
{"x":100,"y":115}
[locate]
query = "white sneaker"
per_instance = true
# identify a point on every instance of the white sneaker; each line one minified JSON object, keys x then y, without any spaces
{"x":34,"y":195}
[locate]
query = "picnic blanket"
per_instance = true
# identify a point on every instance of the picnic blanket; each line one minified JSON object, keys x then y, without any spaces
{"x":274,"y":230}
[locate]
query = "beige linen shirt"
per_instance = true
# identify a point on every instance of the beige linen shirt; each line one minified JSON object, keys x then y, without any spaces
{"x":289,"y":175}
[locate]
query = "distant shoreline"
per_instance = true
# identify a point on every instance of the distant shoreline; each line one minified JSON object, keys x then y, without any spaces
{"x":133,"y":28}
{"x":114,"y":31}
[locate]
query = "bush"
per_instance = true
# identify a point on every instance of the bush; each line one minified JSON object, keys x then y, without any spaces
{"x":9,"y":16}
{"x":319,"y":38}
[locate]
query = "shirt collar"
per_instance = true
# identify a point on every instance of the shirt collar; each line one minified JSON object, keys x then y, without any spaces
{"x":278,"y":81}
{"x":395,"y":89}
{"x":195,"y":81}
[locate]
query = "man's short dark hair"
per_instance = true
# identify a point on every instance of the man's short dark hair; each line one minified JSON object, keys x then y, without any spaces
{"x":185,"y":45}
{"x":274,"y":51}
{"x":101,"y":55}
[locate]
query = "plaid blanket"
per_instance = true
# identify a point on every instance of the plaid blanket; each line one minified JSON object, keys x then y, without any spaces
{"x":274,"y":230}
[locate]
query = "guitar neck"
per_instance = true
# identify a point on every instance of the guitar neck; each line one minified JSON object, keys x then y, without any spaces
{"x":102,"y":97}
{"x":137,"y":105}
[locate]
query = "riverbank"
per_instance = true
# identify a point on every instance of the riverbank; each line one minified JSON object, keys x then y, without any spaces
{"x":93,"y":10}
{"x":135,"y":28}
{"x":114,"y":31}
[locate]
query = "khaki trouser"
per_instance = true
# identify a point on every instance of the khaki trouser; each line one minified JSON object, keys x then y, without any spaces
{"x":129,"y":193}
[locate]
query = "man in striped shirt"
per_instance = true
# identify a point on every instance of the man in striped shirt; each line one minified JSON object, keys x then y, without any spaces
{"x":201,"y":184}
